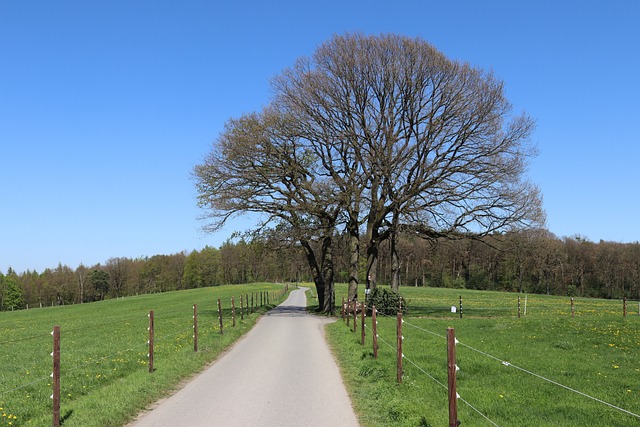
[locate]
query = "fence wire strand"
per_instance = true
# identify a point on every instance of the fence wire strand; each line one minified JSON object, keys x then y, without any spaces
{"x":445,"y":387}
{"x":2,"y":393}
{"x":508,"y":364}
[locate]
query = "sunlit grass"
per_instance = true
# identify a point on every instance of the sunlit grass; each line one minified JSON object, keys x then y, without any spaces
{"x":594,"y":353}
{"x":104,"y":364}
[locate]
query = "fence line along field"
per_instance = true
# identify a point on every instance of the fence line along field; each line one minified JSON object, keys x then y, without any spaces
{"x":104,"y":352}
{"x":545,"y":368}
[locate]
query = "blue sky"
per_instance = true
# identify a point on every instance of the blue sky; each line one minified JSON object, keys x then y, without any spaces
{"x":105,"y":107}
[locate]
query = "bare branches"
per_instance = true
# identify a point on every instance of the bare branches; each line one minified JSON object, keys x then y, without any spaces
{"x":381,"y":131}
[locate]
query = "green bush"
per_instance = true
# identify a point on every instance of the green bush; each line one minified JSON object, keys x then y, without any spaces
{"x":387,"y":302}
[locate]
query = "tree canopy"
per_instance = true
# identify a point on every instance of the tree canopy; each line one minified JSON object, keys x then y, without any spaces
{"x":375,"y":135}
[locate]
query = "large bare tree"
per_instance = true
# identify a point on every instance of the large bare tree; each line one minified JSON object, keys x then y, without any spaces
{"x":413,"y":141}
{"x":380,"y":134}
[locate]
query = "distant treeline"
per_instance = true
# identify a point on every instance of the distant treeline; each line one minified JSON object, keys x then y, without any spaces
{"x":532,"y":261}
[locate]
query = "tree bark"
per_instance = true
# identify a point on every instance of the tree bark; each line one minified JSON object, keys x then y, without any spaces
{"x":395,"y":263}
{"x":354,"y":257}
{"x":327,"y":305}
{"x":318,"y":276}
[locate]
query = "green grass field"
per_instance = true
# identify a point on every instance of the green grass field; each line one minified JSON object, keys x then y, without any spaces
{"x":105,"y":379}
{"x":547,"y":353}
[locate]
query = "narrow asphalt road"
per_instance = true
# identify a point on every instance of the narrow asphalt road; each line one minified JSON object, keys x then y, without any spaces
{"x":280,"y":374}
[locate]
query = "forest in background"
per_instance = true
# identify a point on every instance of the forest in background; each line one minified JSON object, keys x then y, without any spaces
{"x":532,"y":261}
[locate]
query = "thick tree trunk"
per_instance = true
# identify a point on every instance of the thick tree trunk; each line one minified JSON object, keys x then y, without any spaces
{"x":327,"y":304}
{"x":372,"y":265}
{"x":318,"y":277}
{"x":395,"y":263}
{"x":373,"y":249}
{"x":354,"y":257}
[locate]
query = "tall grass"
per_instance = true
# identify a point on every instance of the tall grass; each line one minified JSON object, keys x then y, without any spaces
{"x":543,"y":369}
{"x":104,"y":372}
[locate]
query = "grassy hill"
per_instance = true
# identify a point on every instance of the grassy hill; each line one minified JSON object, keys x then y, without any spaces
{"x":105,"y":378}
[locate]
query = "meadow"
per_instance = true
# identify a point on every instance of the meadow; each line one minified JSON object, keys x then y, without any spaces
{"x":545,"y":368}
{"x":105,"y":379}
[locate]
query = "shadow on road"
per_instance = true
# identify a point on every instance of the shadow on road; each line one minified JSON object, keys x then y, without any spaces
{"x":288,"y":311}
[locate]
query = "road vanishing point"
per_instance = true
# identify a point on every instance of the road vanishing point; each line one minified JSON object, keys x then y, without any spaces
{"x":281,"y":373}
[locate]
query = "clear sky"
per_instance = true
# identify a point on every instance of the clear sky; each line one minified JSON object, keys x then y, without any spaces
{"x":105,"y":107}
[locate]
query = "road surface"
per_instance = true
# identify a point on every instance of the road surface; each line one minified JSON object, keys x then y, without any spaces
{"x":280,"y":374}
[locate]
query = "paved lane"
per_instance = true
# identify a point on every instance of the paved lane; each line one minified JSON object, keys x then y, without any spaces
{"x":280,"y":374}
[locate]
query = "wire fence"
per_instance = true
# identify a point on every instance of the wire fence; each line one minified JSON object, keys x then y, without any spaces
{"x":351,"y":311}
{"x":519,"y":305}
{"x":102,"y":351}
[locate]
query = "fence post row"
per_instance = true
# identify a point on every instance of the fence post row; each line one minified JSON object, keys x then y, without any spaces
{"x":452,"y":368}
{"x":55,"y":354}
{"x":150,"y":355}
{"x":56,"y":376}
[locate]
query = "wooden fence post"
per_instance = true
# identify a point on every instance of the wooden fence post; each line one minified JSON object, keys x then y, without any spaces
{"x":624,"y":307}
{"x":246,"y":300}
{"x":399,"y":341}
{"x":347,"y":309}
{"x":233,"y":311}
{"x":252,"y":302}
{"x":374,"y":327}
{"x":151,"y":333}
{"x":571,"y":306}
{"x":460,"y":306}
{"x":518,"y":306}
{"x":362,"y":325}
{"x":453,"y":394}
{"x":220,"y":316}
{"x":56,"y":376}
{"x":195,"y":327}
{"x":355,"y":315}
